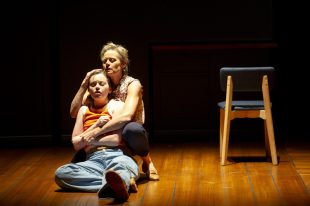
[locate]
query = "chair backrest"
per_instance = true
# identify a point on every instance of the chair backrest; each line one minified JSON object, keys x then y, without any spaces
{"x":246,"y":79}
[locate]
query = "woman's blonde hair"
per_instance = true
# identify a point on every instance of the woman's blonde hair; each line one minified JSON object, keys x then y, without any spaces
{"x":120,"y":49}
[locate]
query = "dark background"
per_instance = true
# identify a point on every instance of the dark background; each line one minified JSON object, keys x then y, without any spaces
{"x":176,"y":50}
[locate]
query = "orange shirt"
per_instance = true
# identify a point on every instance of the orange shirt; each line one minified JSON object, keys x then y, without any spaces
{"x":91,"y":117}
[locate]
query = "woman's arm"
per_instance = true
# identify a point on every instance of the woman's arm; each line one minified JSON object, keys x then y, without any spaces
{"x":110,"y":139}
{"x":125,"y":115}
{"x":79,"y":97}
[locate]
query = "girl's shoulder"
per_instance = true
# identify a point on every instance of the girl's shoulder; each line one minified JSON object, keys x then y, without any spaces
{"x":83,"y":109}
{"x":114,"y":105}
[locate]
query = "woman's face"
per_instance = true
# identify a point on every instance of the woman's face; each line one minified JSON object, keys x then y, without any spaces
{"x":98,"y":86}
{"x":111,"y":63}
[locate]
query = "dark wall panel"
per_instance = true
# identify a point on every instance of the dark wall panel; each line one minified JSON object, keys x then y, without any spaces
{"x":185,"y":84}
{"x":26,"y":70}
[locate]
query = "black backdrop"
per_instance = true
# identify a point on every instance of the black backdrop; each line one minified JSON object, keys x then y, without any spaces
{"x":47,"y":48}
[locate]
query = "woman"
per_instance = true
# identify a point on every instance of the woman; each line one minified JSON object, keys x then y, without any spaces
{"x":115,"y":63}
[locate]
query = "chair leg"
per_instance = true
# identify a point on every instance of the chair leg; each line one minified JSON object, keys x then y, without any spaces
{"x":227,"y":119}
{"x":221,"y":129}
{"x":225,"y":141}
{"x":271,"y":139}
{"x":269,"y":122}
{"x":267,"y":146}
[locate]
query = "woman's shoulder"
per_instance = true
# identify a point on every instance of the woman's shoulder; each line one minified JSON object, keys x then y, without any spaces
{"x":133,"y":82}
{"x":130,"y":79}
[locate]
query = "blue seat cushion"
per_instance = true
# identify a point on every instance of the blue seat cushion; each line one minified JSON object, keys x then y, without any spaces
{"x":244,"y":105}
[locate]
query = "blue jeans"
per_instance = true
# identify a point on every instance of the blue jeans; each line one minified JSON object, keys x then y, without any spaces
{"x":90,"y":175}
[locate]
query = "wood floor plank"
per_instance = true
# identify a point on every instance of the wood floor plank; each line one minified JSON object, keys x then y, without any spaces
{"x":306,"y":180}
{"x":212,"y":192}
{"x":159,"y":193}
{"x":292,"y":190}
{"x":265,"y":190}
{"x":238,"y":190}
{"x":283,"y":169}
{"x":187,"y":191}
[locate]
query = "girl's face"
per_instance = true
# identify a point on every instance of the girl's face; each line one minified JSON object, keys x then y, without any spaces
{"x":111,"y":63}
{"x":99,"y":86}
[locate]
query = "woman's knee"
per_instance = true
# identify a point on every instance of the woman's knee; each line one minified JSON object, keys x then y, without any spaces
{"x":136,"y":137}
{"x":134,"y":129}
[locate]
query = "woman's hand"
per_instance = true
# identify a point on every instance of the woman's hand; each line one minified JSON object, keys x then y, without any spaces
{"x":89,"y":137}
{"x":102,"y":121}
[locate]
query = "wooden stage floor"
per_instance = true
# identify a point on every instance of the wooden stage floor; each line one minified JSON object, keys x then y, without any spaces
{"x":190,"y":175}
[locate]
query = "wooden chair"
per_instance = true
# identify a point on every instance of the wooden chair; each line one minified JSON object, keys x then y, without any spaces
{"x":246,"y":79}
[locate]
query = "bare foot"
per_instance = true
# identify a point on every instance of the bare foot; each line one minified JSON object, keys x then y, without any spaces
{"x":133,"y":186}
{"x":150,"y":171}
